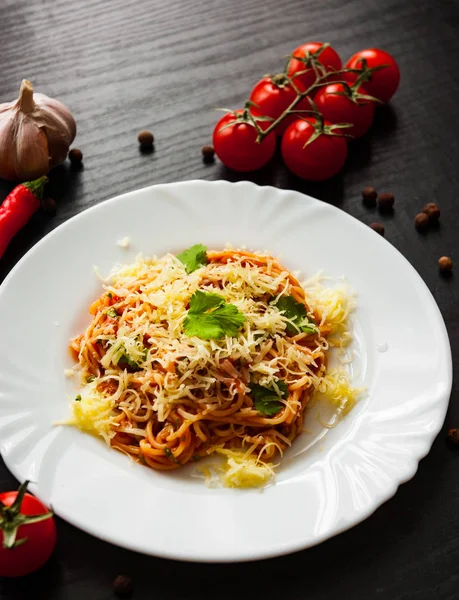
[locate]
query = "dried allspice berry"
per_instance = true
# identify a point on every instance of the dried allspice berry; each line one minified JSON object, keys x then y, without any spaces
{"x":208,"y":154}
{"x":369,"y":195}
{"x":421,"y":221}
{"x":76,"y":156}
{"x":123,"y":586}
{"x":432,"y":210}
{"x":445,"y":264}
{"x":146,"y":139}
{"x":453,"y":436}
{"x":49,"y":206}
{"x":378,"y":227}
{"x":386,"y":201}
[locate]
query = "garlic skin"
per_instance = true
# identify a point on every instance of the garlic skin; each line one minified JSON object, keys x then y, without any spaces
{"x":35,"y":135}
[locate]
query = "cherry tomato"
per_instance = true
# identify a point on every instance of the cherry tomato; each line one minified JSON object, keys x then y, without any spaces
{"x":236,"y":145}
{"x":382,"y":84}
{"x":328,"y":58}
{"x":273,"y":95}
{"x":40,"y":537}
{"x":338,"y":108}
{"x":319,"y":160}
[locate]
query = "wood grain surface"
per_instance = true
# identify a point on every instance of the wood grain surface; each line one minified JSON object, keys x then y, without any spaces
{"x":125,"y":65}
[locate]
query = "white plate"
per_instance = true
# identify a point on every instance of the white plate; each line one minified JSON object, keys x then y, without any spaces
{"x":323,"y":487}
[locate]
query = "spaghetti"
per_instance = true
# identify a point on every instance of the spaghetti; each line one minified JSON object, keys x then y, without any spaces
{"x":165,"y":397}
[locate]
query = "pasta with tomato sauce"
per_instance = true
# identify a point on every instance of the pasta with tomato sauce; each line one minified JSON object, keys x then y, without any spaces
{"x":208,"y":352}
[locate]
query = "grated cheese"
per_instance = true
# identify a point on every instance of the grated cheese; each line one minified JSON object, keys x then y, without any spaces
{"x":337,"y":388}
{"x":168,"y":289}
{"x":162,"y":290}
{"x":238,"y":469}
{"x":124,"y":243}
{"x":93,"y":414}
{"x":334,"y":303}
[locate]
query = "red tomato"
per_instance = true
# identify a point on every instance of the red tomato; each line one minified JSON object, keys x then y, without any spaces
{"x":319,"y":160}
{"x":236,"y":145}
{"x":273,"y":95}
{"x":30,"y":555}
{"x":342,"y":109}
{"x":382,"y":84}
{"x":312,"y":53}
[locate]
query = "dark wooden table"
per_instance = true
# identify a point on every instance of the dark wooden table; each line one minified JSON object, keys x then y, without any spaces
{"x":125,"y":65}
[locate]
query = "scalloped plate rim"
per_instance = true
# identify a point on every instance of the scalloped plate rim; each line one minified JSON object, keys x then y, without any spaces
{"x":288,"y":547}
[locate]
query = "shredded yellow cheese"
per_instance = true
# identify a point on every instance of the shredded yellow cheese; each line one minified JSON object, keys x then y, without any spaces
{"x":168,"y":289}
{"x":124,"y":243}
{"x":93,"y":414}
{"x":334,"y":303}
{"x":238,"y":469}
{"x":337,"y":388}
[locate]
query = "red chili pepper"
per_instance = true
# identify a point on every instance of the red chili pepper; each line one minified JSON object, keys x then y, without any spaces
{"x":17,"y":208}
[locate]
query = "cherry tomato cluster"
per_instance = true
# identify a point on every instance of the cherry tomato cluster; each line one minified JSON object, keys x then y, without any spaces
{"x":315,"y":105}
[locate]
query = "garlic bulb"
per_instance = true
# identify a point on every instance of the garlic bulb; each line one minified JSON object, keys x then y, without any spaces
{"x":35,"y":134}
